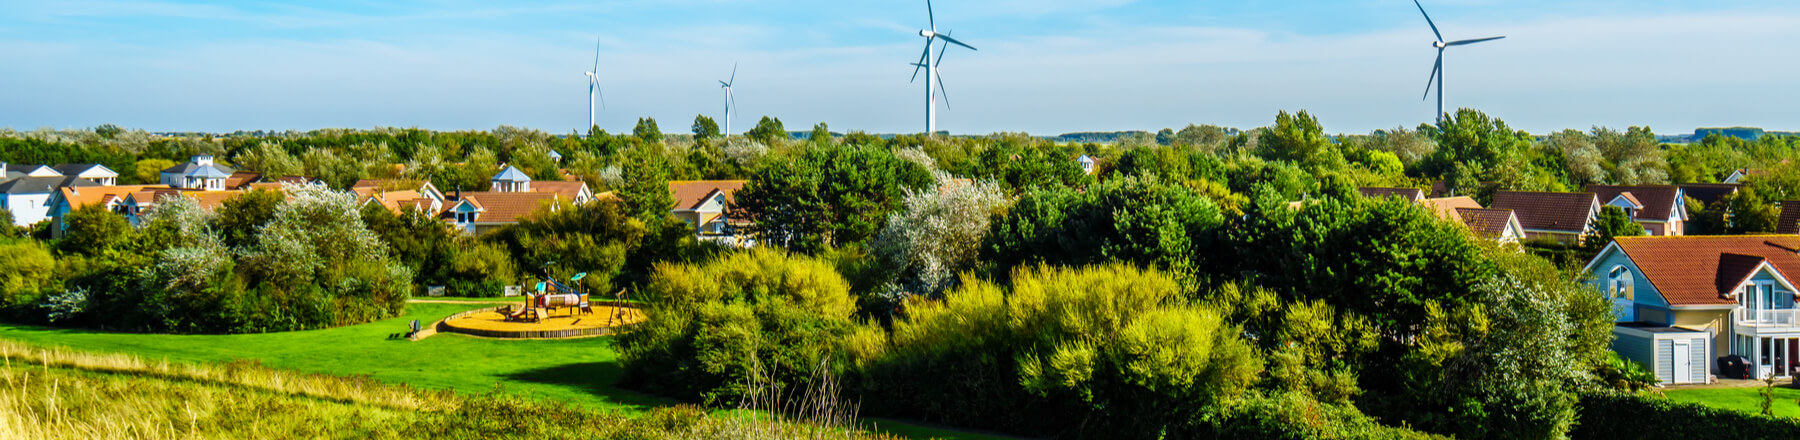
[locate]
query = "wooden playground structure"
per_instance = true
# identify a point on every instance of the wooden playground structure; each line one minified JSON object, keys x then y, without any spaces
{"x":554,"y":311}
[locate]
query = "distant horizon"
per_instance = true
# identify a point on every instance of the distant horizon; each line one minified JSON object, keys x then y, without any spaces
{"x":1043,"y":65}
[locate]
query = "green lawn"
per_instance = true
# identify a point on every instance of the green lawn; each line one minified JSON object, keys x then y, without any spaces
{"x":577,"y":371}
{"x":1741,"y":399}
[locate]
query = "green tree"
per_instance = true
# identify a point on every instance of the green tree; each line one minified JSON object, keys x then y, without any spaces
{"x":1612,"y":224}
{"x":1471,"y":137}
{"x":149,"y":171}
{"x":820,"y":134}
{"x":94,"y":231}
{"x":705,"y":128}
{"x":1749,"y":213}
{"x":1137,"y":220}
{"x":239,"y":218}
{"x":645,"y":172}
{"x":25,"y":270}
{"x":768,"y":131}
{"x":1298,"y":138}
{"x":270,"y":159}
{"x":647,"y":132}
{"x":7,"y":228}
{"x":827,"y":195}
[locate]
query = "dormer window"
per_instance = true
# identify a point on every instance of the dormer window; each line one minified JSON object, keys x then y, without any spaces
{"x":1619,"y":284}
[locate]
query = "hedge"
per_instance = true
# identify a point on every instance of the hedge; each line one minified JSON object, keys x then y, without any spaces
{"x":1615,"y":415}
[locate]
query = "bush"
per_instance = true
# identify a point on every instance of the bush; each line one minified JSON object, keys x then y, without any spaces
{"x":1616,"y":415}
{"x":26,"y":268}
{"x":714,"y":327}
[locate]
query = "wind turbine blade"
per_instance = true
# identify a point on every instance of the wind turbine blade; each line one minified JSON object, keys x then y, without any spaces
{"x":731,"y":100}
{"x":596,"y":55}
{"x":958,"y":43}
{"x":923,"y":57}
{"x":724,"y":84}
{"x":1435,"y":70}
{"x":1434,"y":30}
{"x":602,"y":97}
{"x":733,"y":74}
{"x":1477,"y":40}
{"x":942,"y":90}
{"x":943,"y":51}
{"x":933,"y":16}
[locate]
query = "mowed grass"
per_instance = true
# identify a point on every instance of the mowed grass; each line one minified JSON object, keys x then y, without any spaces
{"x":1748,"y":400}
{"x":580,"y":372}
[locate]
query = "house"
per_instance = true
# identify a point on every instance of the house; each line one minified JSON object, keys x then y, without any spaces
{"x":575,"y":191}
{"x":426,"y":199}
{"x":1708,"y":193}
{"x":1682,"y":302}
{"x":1563,"y":217}
{"x":93,"y":172}
{"x":1445,"y":207}
{"x":1087,"y":164}
{"x":1659,"y":208}
{"x":200,"y":173}
{"x":706,"y":206}
{"x":1500,"y":225}
{"x":71,"y":198}
{"x":510,"y":179}
{"x":18,"y":171}
{"x":1790,"y":218}
{"x":28,"y":198}
{"x":555,"y":156}
{"x":1410,"y":194}
{"x":1738,"y":176}
{"x":480,"y":212}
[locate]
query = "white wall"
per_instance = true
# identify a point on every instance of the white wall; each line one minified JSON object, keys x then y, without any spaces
{"x":28,"y":208}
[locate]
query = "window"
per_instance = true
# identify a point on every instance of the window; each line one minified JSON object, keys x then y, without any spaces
{"x":1619,"y":284}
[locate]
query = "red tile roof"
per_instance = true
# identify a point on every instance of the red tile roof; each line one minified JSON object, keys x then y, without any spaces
{"x":1446,"y":207}
{"x":1790,"y":218}
{"x":1707,"y":193}
{"x":1567,"y":212}
{"x":1659,"y":201}
{"x":507,"y":207}
{"x":1488,"y":223}
{"x":568,"y":190}
{"x":1698,"y":270}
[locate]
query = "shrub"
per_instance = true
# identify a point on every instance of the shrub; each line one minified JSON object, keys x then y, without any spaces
{"x":1616,"y":415}
{"x":26,"y":268}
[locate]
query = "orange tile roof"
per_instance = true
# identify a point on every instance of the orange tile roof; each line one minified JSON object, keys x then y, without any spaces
{"x":1568,"y":212}
{"x":507,"y":207}
{"x":89,"y":195}
{"x":241,"y":179}
{"x":568,"y":190}
{"x":1697,"y":270}
{"x":1446,"y":207}
{"x":690,"y":194}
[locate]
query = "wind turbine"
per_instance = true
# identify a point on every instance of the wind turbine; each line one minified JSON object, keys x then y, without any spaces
{"x":1437,"y":72}
{"x":594,"y":86}
{"x":730,"y":100}
{"x":930,"y":65}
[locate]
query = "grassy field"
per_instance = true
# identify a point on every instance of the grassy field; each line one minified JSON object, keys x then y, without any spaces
{"x":58,"y":394}
{"x":1740,"y":399}
{"x":581,"y":372}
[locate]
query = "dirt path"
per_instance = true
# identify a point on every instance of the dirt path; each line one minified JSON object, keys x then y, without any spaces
{"x":454,"y":301}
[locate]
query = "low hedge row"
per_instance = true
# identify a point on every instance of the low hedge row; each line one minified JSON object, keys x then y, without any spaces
{"x":1615,"y":415}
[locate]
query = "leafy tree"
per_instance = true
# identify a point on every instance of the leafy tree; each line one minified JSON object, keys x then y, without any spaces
{"x":1138,"y":220}
{"x":1471,"y":137}
{"x":1749,"y":213}
{"x":94,"y":231}
{"x":827,"y":195}
{"x":1298,"y":138}
{"x":705,"y":128}
{"x":820,"y":134}
{"x":935,"y":235}
{"x":149,"y":171}
{"x":768,"y":131}
{"x":26,"y":268}
{"x":645,"y":174}
{"x":414,"y":238}
{"x":270,"y":159}
{"x":1612,"y":224}
{"x":239,"y":218}
{"x":647,"y":132}
{"x":7,"y":228}
{"x":1636,"y":158}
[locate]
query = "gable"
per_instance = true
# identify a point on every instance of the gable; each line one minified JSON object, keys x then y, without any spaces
{"x":1695,"y":270}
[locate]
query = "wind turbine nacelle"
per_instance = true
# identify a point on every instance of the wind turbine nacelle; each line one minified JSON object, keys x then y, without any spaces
{"x":927,"y":33}
{"x":1439,"y":44}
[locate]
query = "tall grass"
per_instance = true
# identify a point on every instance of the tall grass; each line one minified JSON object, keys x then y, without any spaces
{"x":813,"y":411}
{"x":57,"y":393}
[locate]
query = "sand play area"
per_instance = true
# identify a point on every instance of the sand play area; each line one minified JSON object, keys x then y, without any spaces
{"x":567,"y":322}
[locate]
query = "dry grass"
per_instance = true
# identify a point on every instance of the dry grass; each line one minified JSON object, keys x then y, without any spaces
{"x":54,"y":393}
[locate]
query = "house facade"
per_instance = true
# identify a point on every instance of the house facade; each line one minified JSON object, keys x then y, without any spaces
{"x":706,"y":207}
{"x":92,"y":172}
{"x":29,"y":198}
{"x":1682,"y":302}
{"x":1660,"y":209}
{"x":482,"y":212}
{"x":1564,"y":217}
{"x":200,"y":173}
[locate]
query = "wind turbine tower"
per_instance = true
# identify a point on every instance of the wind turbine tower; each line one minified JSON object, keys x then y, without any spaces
{"x":1437,"y":72}
{"x":933,"y":82}
{"x":593,"y":77}
{"x":730,"y":101}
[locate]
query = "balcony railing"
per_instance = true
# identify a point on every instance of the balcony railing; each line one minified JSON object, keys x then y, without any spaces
{"x":1768,"y":318}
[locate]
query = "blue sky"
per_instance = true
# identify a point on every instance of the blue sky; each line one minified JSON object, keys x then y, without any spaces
{"x":1045,"y":66}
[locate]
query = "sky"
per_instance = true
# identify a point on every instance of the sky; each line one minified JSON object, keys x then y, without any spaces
{"x":1043,"y":66}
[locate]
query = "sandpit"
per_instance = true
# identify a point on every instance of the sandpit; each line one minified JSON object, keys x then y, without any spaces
{"x":562,"y":324}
